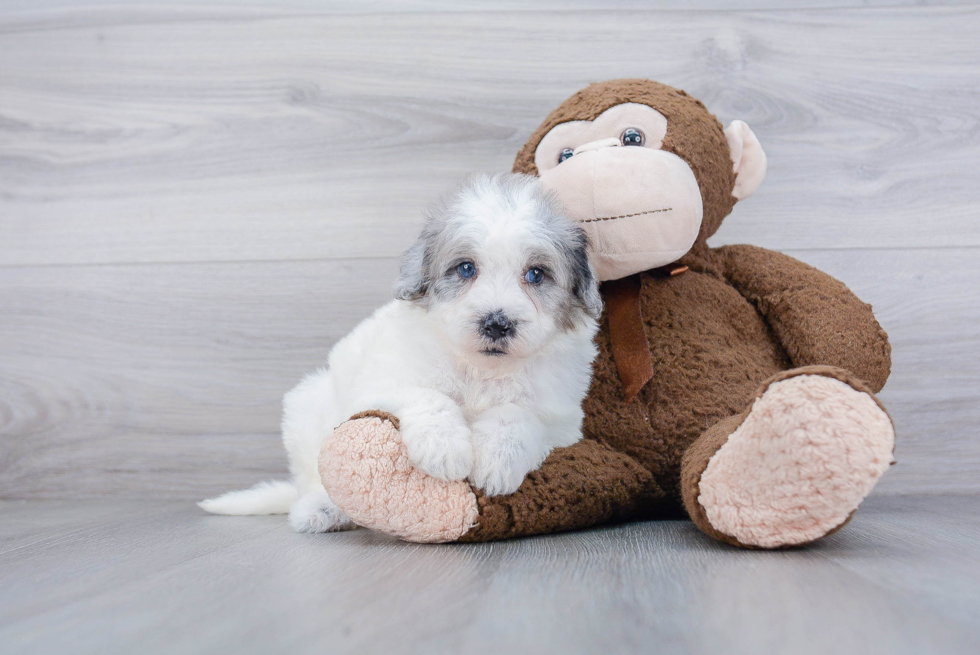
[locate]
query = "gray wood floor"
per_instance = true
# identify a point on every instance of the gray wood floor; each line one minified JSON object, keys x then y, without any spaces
{"x":127,"y":576}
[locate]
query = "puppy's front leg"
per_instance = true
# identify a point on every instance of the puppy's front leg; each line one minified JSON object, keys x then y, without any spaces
{"x":508,"y":443}
{"x":435,"y":433}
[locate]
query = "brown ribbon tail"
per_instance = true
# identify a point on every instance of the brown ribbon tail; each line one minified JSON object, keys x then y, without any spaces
{"x":630,"y":348}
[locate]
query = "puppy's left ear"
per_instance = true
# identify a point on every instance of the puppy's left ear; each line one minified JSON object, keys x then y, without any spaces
{"x":413,"y":281}
{"x":585,"y":284}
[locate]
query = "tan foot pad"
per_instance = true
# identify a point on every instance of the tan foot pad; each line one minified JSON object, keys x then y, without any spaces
{"x":365,"y":468}
{"x":808,"y":453}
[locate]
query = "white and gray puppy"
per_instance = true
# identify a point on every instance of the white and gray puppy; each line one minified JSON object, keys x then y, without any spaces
{"x":485,"y":356}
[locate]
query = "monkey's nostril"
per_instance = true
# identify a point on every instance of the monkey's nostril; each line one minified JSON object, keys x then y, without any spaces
{"x":496,"y":326}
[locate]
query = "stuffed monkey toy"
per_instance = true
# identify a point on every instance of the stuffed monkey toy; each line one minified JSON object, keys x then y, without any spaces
{"x":733,"y":385}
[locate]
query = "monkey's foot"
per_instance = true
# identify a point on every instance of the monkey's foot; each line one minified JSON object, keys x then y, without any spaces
{"x":802,"y":459}
{"x":366,"y":471}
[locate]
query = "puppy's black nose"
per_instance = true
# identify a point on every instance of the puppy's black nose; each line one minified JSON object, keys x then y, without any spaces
{"x":496,"y":326}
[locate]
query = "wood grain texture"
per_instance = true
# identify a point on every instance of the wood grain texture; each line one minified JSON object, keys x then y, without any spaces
{"x":122,"y":576}
{"x":166,"y":379}
{"x":195,"y":204}
{"x":203,"y":138}
{"x":163,"y":379}
{"x":30,"y":7}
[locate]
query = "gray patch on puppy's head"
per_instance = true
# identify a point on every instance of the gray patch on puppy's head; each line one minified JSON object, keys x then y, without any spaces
{"x":413,"y":279}
{"x":424,"y":265}
{"x":572,"y":269}
{"x":585,"y":284}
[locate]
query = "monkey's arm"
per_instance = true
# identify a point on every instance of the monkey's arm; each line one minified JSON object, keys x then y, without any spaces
{"x":364,"y":467}
{"x":576,"y":487}
{"x":816,"y":317}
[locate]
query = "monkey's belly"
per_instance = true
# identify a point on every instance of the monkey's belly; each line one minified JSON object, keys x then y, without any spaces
{"x":711,"y":349}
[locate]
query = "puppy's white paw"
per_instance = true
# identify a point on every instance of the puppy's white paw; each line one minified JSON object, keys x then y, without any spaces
{"x":440,"y":448}
{"x":507,"y":445}
{"x":499,"y":475}
{"x":315,"y":512}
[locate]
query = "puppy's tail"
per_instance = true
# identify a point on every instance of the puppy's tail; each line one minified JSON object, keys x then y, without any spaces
{"x":264,"y":498}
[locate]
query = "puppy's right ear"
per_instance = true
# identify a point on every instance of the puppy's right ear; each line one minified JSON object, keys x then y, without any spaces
{"x":413,"y":281}
{"x":587,"y":289}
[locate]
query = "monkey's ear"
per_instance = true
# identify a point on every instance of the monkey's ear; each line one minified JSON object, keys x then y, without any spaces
{"x":748,"y":159}
{"x":413,"y":281}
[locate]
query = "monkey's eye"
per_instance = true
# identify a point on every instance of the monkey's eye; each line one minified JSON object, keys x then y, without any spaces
{"x":565,"y":154}
{"x":534,"y":275}
{"x":466,"y":269}
{"x":632,"y":137}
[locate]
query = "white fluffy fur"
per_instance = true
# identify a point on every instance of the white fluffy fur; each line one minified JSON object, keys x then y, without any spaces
{"x":464,"y":413}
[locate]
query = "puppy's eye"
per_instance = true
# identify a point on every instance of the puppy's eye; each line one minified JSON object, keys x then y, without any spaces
{"x":534,"y":275}
{"x":632,"y":137}
{"x":565,"y":154}
{"x":466,"y":269}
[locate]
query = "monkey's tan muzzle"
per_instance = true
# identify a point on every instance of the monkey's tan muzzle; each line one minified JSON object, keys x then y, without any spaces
{"x":641,"y":207}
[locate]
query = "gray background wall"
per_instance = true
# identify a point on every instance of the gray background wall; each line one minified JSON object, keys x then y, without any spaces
{"x":197,"y":201}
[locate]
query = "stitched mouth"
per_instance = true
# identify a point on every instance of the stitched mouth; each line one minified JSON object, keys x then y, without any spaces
{"x":613,"y":218}
{"x":493,"y":352}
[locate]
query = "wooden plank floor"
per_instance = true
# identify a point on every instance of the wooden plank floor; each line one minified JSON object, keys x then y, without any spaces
{"x":126,"y":576}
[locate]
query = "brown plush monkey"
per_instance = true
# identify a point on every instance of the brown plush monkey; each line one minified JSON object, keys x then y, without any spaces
{"x":735,"y":384}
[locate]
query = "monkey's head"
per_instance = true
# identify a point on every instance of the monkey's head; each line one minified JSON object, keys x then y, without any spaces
{"x":645,"y":168}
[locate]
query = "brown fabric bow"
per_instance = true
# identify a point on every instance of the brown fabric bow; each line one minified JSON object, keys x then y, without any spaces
{"x":630,"y":348}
